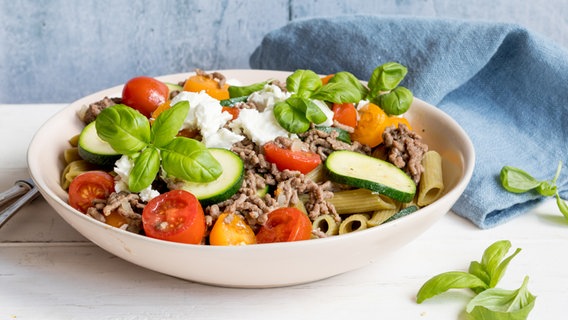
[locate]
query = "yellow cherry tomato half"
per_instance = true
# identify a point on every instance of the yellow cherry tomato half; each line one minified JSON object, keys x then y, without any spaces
{"x":231,"y":230}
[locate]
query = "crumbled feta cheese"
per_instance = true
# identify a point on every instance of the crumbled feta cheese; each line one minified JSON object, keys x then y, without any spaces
{"x":123,"y":167}
{"x":260,"y":127}
{"x":206,"y":115}
{"x":268,"y":96}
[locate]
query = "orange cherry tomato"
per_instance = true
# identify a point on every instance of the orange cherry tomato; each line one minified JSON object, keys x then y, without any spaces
{"x":233,"y":111}
{"x":372,"y":123}
{"x":89,"y":186}
{"x":231,"y":230}
{"x":303,"y":161}
{"x":174,"y":216}
{"x":161,"y":108}
{"x":284,"y":225}
{"x":345,"y":113}
{"x":396,"y":121}
{"x":144,"y":94}
{"x":198,"y":83}
{"x":115,"y":219}
{"x":326,"y":79}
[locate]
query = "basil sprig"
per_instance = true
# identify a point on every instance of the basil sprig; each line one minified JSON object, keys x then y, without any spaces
{"x":296,"y":113}
{"x":157,"y":146}
{"x":482,"y":278}
{"x":384,"y":89}
{"x":518,"y":181}
{"x":243,"y":91}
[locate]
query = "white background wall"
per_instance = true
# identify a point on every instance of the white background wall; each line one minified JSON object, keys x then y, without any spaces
{"x":60,"y":50}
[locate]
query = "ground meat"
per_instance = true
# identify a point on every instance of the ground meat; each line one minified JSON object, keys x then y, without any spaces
{"x":405,"y":149}
{"x":126,"y":204}
{"x":214,"y":75}
{"x":324,"y":143}
{"x":289,"y":187}
{"x":95,"y":108}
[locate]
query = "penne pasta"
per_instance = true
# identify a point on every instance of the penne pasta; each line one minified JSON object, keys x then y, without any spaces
{"x":71,"y":154}
{"x":317,"y":175}
{"x":326,"y":224}
{"x":355,"y":222}
{"x":380,"y":216}
{"x":359,"y":201}
{"x":431,"y":184}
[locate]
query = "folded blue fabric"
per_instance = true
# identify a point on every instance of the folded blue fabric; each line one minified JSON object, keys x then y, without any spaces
{"x":506,"y":86}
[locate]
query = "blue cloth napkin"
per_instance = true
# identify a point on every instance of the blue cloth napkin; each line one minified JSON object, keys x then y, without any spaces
{"x":505,"y":85}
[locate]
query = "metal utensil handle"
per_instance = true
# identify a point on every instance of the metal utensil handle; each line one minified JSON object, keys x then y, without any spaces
{"x":19,"y":188}
{"x":9,"y":211}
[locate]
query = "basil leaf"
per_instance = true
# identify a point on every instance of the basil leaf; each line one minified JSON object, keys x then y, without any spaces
{"x":125,"y":129}
{"x":562,"y":206}
{"x":448,"y":280}
{"x":188,"y":159}
{"x":337,"y":93}
{"x":309,"y":108}
{"x":303,"y":83}
{"x":493,"y":255}
{"x":386,"y":77}
{"x":547,"y":189}
{"x":396,"y":102}
{"x":500,"y":270}
{"x":342,"y":87}
{"x":238,"y":91}
{"x":516,"y":180}
{"x":502,"y":304}
{"x":479,"y":270}
{"x":290,"y":118}
{"x":145,"y":169}
{"x":168,"y":123}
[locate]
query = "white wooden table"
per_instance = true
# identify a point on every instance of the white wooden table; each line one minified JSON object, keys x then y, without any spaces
{"x":49,"y":271}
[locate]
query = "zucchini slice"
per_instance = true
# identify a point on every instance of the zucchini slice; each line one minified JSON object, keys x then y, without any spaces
{"x":362,"y":171}
{"x":95,"y":150}
{"x":222,"y":188}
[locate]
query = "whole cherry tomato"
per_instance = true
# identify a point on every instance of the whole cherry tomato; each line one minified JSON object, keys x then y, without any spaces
{"x":303,"y":161}
{"x":89,"y":186}
{"x":372,"y":123}
{"x":144,"y":94}
{"x":174,"y":216}
{"x":285,"y":224}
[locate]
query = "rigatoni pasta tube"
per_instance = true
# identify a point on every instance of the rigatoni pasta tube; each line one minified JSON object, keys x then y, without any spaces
{"x":355,"y":222}
{"x":360,"y":200}
{"x":317,"y":174}
{"x":326,"y":224}
{"x":74,"y":169}
{"x":431,"y":184}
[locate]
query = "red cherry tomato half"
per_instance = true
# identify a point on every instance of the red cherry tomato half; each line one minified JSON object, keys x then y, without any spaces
{"x":144,"y":94}
{"x":233,"y":111}
{"x":174,"y":216}
{"x":89,"y":186}
{"x":285,"y":224}
{"x":303,"y":161}
{"x":345,"y":113}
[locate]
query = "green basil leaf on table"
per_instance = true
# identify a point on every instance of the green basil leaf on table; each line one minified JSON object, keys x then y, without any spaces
{"x":446,"y":281}
{"x":168,"y":124}
{"x":497,"y":304}
{"x":145,"y":169}
{"x":189,"y":159}
{"x":125,"y":129}
{"x":562,"y":206}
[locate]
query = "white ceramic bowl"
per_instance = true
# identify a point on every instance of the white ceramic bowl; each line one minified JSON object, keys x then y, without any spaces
{"x":266,"y":265}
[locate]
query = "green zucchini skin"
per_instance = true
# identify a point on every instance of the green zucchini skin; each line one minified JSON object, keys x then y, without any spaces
{"x":362,"y":171}
{"x":94,"y":150}
{"x":223,"y":187}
